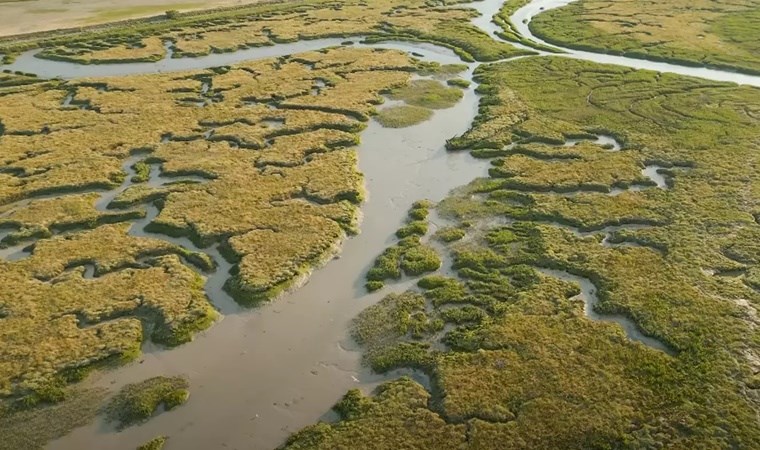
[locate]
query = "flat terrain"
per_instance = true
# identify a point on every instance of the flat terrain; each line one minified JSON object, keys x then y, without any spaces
{"x":276,"y":183}
{"x":714,"y":32}
{"x":43,"y":15}
{"x":598,"y":287}
{"x":565,"y":241}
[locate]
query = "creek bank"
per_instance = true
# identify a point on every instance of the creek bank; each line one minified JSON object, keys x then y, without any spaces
{"x":270,"y":371}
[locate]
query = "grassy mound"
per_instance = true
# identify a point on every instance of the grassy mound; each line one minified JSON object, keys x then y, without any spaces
{"x":137,"y":402}
{"x":403,"y":116}
{"x":428,"y":94}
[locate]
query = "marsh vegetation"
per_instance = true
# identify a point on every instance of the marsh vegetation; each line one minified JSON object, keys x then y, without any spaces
{"x":716,"y":33}
{"x":265,"y":170}
{"x":137,"y":402}
{"x":597,"y":289}
{"x":271,"y":23}
{"x":506,"y":342}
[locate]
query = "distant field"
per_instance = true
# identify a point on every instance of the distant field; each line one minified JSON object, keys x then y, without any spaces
{"x":109,"y":14}
{"x":40,"y":15}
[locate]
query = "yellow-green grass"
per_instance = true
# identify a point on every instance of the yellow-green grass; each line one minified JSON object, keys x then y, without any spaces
{"x":264,"y":24}
{"x":519,"y":362}
{"x":278,"y":199}
{"x":399,"y":409}
{"x":40,"y":218}
{"x":157,"y":443}
{"x":145,"y":50}
{"x":705,"y":32}
{"x":403,"y":116}
{"x":137,"y":402}
{"x":427,"y":94}
{"x":91,"y":320}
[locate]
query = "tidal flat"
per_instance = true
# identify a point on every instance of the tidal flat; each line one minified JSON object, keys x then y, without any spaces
{"x":589,"y":283}
{"x":548,"y":336}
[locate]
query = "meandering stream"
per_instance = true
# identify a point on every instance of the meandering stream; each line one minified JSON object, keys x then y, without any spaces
{"x":521,"y":21}
{"x":264,"y":373}
{"x":589,"y":296}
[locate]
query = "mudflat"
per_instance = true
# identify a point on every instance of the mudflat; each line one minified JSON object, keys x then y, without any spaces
{"x":22,"y":16}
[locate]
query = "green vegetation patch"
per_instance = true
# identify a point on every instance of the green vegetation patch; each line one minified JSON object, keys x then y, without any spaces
{"x":428,"y":94}
{"x":520,"y":361}
{"x":713,"y":33}
{"x":392,"y":409}
{"x":409,"y":256}
{"x":449,"y":234}
{"x":459,"y":82}
{"x":403,"y":116}
{"x":157,"y":443}
{"x":137,"y":402}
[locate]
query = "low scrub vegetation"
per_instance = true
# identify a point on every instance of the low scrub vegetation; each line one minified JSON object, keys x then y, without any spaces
{"x":510,"y":349}
{"x":410,"y":256}
{"x":403,"y":116}
{"x":137,"y":402}
{"x":715,"y":33}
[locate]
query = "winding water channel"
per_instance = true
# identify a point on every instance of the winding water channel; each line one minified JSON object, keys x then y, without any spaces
{"x":262,"y":374}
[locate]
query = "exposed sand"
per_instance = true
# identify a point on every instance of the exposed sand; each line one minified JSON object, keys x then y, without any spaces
{"x":27,"y":16}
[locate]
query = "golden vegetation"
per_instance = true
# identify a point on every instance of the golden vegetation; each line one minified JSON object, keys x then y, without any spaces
{"x":704,"y":32}
{"x":510,"y":350}
{"x":275,"y":184}
{"x":260,"y":25}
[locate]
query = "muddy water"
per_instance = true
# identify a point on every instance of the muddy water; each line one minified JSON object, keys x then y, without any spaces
{"x":28,"y":62}
{"x":261,"y":374}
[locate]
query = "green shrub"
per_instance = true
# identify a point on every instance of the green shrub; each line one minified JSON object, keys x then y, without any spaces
{"x":420,"y":259}
{"x":374,"y":285}
{"x":459,"y":82}
{"x":157,"y":443}
{"x":449,"y":234}
{"x":414,"y":228}
{"x":137,"y":402}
